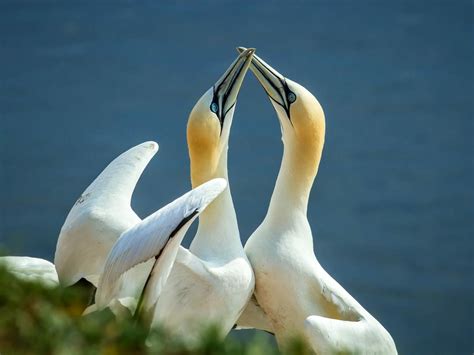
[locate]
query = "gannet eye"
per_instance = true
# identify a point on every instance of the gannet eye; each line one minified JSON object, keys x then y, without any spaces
{"x":291,"y":97}
{"x":214,"y":107}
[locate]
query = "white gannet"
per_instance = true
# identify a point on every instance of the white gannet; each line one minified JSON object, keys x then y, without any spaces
{"x":31,"y":269}
{"x":212,"y":281}
{"x":297,"y":295}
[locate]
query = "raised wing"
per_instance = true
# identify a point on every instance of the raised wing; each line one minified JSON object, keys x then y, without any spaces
{"x":158,"y":236}
{"x":100,"y":215}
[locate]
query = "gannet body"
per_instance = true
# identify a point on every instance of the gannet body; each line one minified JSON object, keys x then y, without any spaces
{"x":184,"y":290}
{"x":31,"y":269}
{"x":298,"y":297}
{"x":211,"y":282}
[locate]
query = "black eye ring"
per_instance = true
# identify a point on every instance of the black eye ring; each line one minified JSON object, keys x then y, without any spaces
{"x":291,"y":97}
{"x":214,"y":107}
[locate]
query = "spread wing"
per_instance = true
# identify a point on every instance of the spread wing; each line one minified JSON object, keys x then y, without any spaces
{"x":156,"y":237}
{"x":100,"y":215}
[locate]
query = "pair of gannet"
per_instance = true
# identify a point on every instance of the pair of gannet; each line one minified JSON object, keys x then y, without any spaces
{"x":128,"y":260}
{"x":104,"y":242}
{"x":294,"y":295}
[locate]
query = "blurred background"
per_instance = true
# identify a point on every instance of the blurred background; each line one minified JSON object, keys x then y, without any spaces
{"x":392,"y":207}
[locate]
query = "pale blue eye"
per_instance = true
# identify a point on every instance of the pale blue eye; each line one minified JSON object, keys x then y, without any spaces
{"x":291,"y":97}
{"x":214,"y":107}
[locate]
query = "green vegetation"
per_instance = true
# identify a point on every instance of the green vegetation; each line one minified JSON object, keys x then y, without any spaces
{"x":39,"y":320}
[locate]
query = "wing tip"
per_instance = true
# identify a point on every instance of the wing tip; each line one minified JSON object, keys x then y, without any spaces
{"x":220,"y":184}
{"x":212,"y":189}
{"x":150,"y":145}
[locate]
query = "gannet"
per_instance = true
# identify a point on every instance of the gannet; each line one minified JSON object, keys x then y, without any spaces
{"x":211,"y":282}
{"x":31,"y":269}
{"x":296,"y":297}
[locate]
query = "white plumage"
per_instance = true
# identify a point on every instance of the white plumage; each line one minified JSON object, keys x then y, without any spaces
{"x":100,"y":215}
{"x":210,"y":283}
{"x":131,"y":260}
{"x":158,"y":235}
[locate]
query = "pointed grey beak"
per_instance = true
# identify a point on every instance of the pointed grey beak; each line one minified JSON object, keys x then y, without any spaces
{"x":272,"y":82}
{"x":227,"y":87}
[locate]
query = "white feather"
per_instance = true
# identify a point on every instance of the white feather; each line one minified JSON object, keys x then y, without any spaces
{"x":100,"y":215}
{"x":297,"y":296}
{"x":149,"y":238}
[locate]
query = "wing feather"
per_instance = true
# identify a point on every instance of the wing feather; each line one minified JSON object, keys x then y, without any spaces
{"x":148,"y":239}
{"x":331,"y":336}
{"x":100,"y":215}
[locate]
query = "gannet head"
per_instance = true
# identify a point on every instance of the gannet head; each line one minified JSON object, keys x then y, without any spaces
{"x":300,"y":114}
{"x":211,"y":119}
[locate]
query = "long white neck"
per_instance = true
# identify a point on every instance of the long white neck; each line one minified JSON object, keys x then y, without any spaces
{"x":218,"y":234}
{"x":298,"y":170}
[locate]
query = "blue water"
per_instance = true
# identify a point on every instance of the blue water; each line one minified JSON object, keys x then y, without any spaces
{"x":392,"y":208}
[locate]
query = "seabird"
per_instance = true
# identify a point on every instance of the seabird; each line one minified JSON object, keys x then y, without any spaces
{"x":294,"y":295}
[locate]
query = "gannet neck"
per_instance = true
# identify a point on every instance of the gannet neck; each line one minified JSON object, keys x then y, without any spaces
{"x":301,"y":158}
{"x":218,"y":232}
{"x":208,"y":145}
{"x":208,"y":133}
{"x":207,"y":163}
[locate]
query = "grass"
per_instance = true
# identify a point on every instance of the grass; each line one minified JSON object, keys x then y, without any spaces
{"x":38,"y":320}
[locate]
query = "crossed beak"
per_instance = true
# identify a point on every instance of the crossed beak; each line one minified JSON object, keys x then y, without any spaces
{"x":272,"y":82}
{"x":226,"y":89}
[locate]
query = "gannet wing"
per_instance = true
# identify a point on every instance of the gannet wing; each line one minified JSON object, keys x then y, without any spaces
{"x":355,"y":331}
{"x":31,"y":269}
{"x":100,"y":215}
{"x":156,"y":237}
{"x":334,"y":336}
{"x":255,"y":317}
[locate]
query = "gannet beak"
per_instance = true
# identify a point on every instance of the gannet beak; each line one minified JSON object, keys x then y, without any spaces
{"x":272,"y":82}
{"x":227,"y":87}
